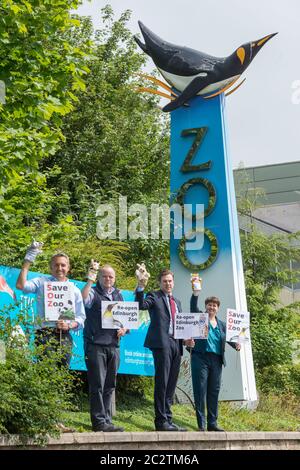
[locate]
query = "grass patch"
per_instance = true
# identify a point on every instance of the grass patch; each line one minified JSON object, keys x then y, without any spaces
{"x":274,"y":413}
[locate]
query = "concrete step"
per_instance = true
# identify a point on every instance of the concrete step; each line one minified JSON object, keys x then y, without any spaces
{"x":163,"y":441}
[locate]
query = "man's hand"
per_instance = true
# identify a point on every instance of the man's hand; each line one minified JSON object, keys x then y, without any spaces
{"x":121,"y":332}
{"x":66,"y":325}
{"x":93,"y":271}
{"x":142,"y":275}
{"x":62,"y":325}
{"x":33,"y":251}
{"x":237,"y":347}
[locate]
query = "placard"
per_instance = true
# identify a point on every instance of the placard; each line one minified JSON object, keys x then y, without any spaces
{"x":191,"y":325}
{"x":237,"y":326}
{"x":59,"y":301}
{"x":116,"y":315}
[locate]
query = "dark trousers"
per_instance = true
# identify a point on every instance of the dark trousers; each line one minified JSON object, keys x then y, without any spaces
{"x":206,"y":378}
{"x":102,"y":364}
{"x":53,"y":340}
{"x":167,"y":365}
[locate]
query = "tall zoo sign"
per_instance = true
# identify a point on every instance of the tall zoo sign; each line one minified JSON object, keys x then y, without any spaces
{"x":201,"y":174}
{"x":208,"y":179}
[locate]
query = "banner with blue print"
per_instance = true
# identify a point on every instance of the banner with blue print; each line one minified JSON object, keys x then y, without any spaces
{"x":135,"y":359}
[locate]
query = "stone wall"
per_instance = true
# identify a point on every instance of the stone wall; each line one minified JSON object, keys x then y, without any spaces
{"x":164,"y":441}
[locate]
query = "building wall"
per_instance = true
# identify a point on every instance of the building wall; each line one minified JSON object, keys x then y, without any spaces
{"x":278,"y":187}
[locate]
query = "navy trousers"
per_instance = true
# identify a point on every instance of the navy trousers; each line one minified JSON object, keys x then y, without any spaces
{"x":167,"y":364}
{"x":206,"y":378}
{"x":102,"y":364}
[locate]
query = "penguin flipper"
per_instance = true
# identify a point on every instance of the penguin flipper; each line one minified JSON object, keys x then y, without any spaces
{"x":141,"y":44}
{"x":189,"y":92}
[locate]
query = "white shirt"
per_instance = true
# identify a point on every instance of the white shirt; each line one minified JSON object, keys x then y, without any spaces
{"x":171,"y":326}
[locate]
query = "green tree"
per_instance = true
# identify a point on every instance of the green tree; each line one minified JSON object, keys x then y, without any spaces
{"x":274,"y":326}
{"x":41,"y":71}
{"x":57,"y":205}
{"x":116,"y":139}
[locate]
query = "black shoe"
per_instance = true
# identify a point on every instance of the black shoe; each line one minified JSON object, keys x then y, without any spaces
{"x":201,"y":429}
{"x":107,"y":428}
{"x":166,"y":427}
{"x":117,"y":428}
{"x":215,"y":428}
{"x":177,"y":428}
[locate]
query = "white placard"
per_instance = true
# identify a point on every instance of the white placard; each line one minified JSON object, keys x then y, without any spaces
{"x":59,"y":301}
{"x":203,"y":325}
{"x":191,"y":325}
{"x":117,"y":315}
{"x":237,"y":326}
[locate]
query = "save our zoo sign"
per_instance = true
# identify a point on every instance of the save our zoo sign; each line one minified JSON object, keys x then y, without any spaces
{"x":237,"y":326}
{"x":59,"y":301}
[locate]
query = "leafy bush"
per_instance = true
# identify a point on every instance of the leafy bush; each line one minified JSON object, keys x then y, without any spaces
{"x":272,"y":342}
{"x":280,"y":379}
{"x":133,"y":386}
{"x":33,"y":393}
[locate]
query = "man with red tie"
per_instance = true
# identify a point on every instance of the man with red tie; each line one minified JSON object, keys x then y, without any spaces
{"x":166,"y":350}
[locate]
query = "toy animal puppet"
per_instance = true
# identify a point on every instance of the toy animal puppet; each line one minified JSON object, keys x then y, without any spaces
{"x":142,"y":274}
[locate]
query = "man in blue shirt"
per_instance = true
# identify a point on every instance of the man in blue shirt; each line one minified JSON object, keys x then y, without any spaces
{"x":58,"y":331}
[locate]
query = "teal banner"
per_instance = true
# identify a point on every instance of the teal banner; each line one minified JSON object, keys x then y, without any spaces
{"x":135,"y":359}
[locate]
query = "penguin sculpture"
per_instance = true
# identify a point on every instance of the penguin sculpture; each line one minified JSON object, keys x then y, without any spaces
{"x":192,"y":72}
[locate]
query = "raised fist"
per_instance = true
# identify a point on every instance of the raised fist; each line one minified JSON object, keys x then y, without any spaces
{"x":93,"y":271}
{"x":142,"y":275}
{"x":33,"y":250}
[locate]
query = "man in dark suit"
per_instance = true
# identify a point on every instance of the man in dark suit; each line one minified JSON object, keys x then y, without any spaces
{"x":166,"y":350}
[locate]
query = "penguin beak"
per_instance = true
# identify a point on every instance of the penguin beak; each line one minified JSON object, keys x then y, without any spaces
{"x":257,"y":45}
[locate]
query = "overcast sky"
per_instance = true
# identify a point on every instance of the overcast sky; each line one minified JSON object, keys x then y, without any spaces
{"x":264,"y":114}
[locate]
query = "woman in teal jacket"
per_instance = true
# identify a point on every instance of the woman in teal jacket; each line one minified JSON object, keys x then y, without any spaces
{"x":208,"y":357}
